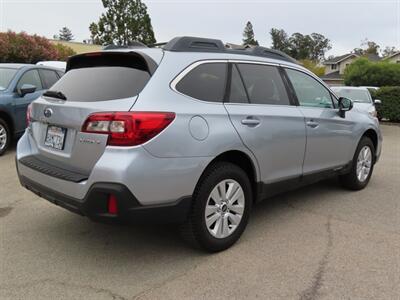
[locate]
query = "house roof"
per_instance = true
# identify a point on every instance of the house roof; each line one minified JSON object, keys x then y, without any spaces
{"x":393,"y":55}
{"x":338,"y":59}
{"x":332,"y":76}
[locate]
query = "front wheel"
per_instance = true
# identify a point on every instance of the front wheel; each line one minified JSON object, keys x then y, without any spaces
{"x":362,"y":166}
{"x":220,"y":210}
{"x":5,"y":137}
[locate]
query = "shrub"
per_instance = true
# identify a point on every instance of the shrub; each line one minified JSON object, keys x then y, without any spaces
{"x":364,"y":72}
{"x":390,"y":107}
{"x":24,"y":48}
{"x":313,"y":67}
{"x":64,"y":51}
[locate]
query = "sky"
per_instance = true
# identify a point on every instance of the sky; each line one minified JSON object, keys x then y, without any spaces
{"x":345,"y":23}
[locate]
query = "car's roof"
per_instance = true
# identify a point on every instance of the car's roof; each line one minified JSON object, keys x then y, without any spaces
{"x":349,"y":88}
{"x":14,"y":66}
{"x":27,"y":66}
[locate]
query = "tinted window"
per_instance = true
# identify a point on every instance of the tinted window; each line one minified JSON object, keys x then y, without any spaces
{"x":237,"y":91}
{"x":31,"y":77}
{"x":6,"y":75}
{"x":49,"y":78}
{"x":101,"y":83}
{"x":264,"y":84}
{"x":309,"y":91}
{"x":205,"y":82}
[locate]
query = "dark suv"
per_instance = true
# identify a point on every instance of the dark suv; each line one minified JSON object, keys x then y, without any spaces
{"x":20,"y":84}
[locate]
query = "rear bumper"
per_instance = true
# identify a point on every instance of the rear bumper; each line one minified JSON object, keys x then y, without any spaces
{"x":94,"y":205}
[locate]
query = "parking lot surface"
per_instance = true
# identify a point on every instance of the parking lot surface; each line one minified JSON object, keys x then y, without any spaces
{"x":319,"y":242}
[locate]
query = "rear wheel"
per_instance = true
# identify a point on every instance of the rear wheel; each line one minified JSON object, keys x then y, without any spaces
{"x":5,"y":137}
{"x":362,"y":166}
{"x":220,"y":210}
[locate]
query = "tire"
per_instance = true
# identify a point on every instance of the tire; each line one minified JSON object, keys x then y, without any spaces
{"x":5,"y":137}
{"x":231,"y":215}
{"x":352,"y":179}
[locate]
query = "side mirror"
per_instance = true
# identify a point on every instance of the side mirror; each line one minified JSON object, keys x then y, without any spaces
{"x":377,"y":102}
{"x":345,"y":104}
{"x":26,"y":89}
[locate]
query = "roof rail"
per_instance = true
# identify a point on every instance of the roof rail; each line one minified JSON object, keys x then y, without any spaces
{"x":196,"y":44}
{"x":131,"y":45}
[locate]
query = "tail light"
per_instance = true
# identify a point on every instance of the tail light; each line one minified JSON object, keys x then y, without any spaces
{"x":128,"y":128}
{"x":29,"y":115}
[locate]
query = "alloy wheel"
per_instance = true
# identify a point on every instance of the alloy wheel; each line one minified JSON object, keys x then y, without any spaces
{"x":224,"y":209}
{"x":364,"y":163}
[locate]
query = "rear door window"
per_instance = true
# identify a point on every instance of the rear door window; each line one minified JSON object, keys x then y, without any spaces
{"x":206,"y":82}
{"x":264,"y":84}
{"x":49,"y":78}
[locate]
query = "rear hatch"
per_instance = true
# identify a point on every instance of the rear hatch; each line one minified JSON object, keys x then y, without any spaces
{"x":95,"y":82}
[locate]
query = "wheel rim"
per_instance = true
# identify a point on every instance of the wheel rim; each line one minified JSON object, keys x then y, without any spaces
{"x":224,"y":209}
{"x":364,"y":163}
{"x":3,"y":137}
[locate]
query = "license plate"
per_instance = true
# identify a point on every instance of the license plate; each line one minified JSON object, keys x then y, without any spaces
{"x":55,"y":137}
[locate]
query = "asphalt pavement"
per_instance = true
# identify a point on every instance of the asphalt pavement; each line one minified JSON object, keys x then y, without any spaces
{"x":318,"y":242}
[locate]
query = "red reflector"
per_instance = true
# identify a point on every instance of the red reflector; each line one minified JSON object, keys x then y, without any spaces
{"x":112,"y":205}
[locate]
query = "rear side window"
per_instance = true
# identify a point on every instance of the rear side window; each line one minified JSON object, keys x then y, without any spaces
{"x":264,"y":84}
{"x":206,"y":82}
{"x":103,"y":77}
{"x":49,"y":78}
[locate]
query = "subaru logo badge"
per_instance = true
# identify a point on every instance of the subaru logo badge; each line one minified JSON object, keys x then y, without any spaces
{"x":48,"y":112}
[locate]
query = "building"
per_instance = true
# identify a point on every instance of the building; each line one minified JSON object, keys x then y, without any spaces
{"x":335,"y":67}
{"x":395,"y":58}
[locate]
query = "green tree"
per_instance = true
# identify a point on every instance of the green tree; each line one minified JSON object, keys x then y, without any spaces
{"x":124,"y":22}
{"x":311,"y":47}
{"x":388,"y":51}
{"x":280,"y":40}
{"x":248,"y":35}
{"x":65,"y":34}
{"x":370,"y":47}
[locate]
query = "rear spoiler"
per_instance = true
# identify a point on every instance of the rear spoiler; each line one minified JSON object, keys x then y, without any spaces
{"x":131,"y":59}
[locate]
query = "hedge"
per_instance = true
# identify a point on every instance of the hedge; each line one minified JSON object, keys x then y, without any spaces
{"x":363,"y":72}
{"x":25,"y":48}
{"x":390,"y":107}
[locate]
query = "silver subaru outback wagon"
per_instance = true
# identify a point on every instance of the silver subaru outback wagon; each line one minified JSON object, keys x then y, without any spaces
{"x":193,"y":133}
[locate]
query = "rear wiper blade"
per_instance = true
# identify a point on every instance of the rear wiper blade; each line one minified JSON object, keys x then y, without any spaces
{"x":55,"y":94}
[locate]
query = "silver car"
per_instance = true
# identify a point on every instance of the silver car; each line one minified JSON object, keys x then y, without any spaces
{"x":360,"y":96}
{"x":192,"y":133}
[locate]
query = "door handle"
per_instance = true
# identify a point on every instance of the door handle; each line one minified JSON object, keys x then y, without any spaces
{"x":312,"y":124}
{"x":251,"y":121}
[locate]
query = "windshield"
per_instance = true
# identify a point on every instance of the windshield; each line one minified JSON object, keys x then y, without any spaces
{"x":361,"y":96}
{"x":6,"y":75}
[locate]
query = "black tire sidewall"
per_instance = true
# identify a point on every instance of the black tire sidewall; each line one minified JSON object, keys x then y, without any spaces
{"x":219,"y":173}
{"x":5,"y":125}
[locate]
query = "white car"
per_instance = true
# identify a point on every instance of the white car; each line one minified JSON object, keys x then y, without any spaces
{"x":62,"y":65}
{"x":360,"y":96}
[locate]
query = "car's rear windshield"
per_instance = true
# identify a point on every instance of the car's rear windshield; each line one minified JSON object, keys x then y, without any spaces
{"x":6,"y":75}
{"x":109,"y":77}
